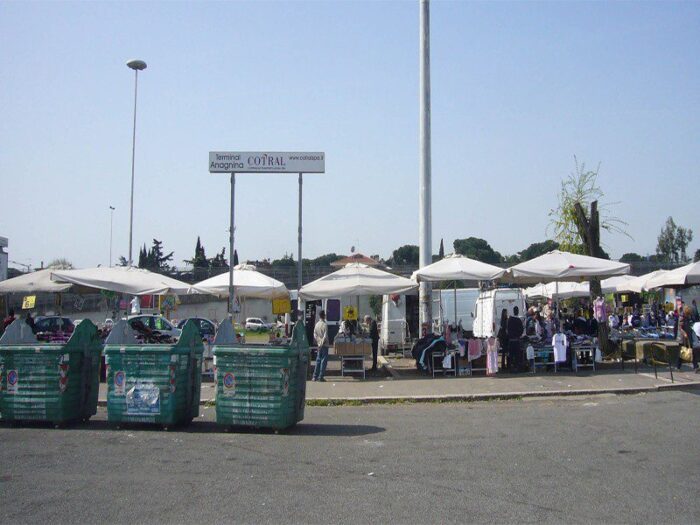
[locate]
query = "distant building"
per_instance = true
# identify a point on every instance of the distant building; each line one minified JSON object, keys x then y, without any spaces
{"x":3,"y":258}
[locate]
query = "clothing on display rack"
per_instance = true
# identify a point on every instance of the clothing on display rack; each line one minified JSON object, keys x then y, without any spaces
{"x":599,"y":309}
{"x":492,"y":347}
{"x":474,"y":348}
{"x":559,"y":342}
{"x":529,"y":353}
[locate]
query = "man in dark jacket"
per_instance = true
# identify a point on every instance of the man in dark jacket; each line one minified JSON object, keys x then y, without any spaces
{"x":371,"y":325}
{"x":515,"y":331}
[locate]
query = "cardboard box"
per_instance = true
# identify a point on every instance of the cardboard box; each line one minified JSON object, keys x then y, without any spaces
{"x":352,"y":348}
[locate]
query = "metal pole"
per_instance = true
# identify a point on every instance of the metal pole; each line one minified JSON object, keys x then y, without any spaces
{"x":133,"y":156}
{"x":424,"y":197}
{"x":231,"y":292}
{"x":299,"y":264}
{"x":111,"y":222}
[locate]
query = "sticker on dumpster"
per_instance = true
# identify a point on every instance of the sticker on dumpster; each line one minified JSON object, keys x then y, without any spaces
{"x":12,"y":381}
{"x":119,"y":382}
{"x":229,"y":384}
{"x":143,"y":399}
{"x":285,"y":381}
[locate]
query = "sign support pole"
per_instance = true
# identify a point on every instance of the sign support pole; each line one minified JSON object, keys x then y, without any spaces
{"x":299,"y":263}
{"x":231,"y":298}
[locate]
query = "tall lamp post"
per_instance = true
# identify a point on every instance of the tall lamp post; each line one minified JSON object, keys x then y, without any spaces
{"x":136,"y":65}
{"x":111,"y":222}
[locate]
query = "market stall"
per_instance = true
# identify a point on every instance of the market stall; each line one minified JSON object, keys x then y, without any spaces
{"x":455,"y":267}
{"x":356,"y":280}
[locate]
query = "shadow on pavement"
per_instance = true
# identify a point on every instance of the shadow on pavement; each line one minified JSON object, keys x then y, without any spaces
{"x":205,"y":427}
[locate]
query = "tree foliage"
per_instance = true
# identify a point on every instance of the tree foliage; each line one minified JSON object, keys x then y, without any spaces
{"x":580,"y":189}
{"x":200,"y":257}
{"x":631,"y":258}
{"x":697,"y":255}
{"x":534,"y":250}
{"x":477,"y":249}
{"x":60,"y":263}
{"x":406,"y":255}
{"x":154,"y":258}
{"x":673,"y":241}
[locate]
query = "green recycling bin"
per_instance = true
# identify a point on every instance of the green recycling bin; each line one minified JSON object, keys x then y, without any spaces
{"x":153,"y":383}
{"x":46,"y":381}
{"x":260,"y":386}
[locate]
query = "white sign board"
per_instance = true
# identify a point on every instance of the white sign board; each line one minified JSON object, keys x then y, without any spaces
{"x":266,"y":162}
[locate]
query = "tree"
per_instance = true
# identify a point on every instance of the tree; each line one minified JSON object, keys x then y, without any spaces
{"x":235,"y":257}
{"x":577,"y":224}
{"x":673,"y":241}
{"x":60,"y":263}
{"x":697,"y":255}
{"x":200,"y":258}
{"x":580,"y":190}
{"x":123,"y":261}
{"x":441,"y":252}
{"x":154,"y":259}
{"x":287,"y":261}
{"x":219,"y":260}
{"x":631,"y":258}
{"x":406,"y":255}
{"x":536,"y":249}
{"x":477,"y":249}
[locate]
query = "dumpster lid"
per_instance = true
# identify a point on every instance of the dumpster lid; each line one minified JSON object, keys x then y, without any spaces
{"x":122,"y":334}
{"x":19,"y":332}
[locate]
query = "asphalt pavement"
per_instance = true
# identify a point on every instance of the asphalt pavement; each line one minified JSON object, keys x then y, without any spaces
{"x":604,"y":458}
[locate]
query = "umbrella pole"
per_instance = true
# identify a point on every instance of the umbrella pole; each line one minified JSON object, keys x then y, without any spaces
{"x":455,"y":299}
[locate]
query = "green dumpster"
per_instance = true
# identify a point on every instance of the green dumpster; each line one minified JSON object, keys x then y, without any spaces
{"x":46,"y":381}
{"x":261,"y":386}
{"x":153,"y":383}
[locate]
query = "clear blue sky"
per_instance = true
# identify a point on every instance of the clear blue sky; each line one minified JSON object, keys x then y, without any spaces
{"x":518,"y":89}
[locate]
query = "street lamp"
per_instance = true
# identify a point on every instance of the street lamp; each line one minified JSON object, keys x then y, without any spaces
{"x":111,"y":221}
{"x":136,"y":65}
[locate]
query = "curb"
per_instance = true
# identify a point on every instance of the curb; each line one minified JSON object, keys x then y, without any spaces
{"x":502,"y":396}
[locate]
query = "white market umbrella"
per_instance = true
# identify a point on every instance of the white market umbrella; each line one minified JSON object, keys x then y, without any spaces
{"x":455,"y":267}
{"x":122,"y":279}
{"x":639,"y":284}
{"x":566,"y":290}
{"x":247,"y":282}
{"x":618,"y":284}
{"x":34,"y":282}
{"x":684,"y":276}
{"x":564,"y":266}
{"x":356,"y":279}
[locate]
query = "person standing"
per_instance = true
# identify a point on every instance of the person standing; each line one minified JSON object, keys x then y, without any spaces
{"x":374,"y":336}
{"x":502,"y":336}
{"x":515,"y":331}
{"x":9,"y":319}
{"x":321,"y":338}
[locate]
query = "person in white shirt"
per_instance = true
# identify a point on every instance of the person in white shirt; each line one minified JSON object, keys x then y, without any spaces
{"x":321,"y":338}
{"x":613,"y":321}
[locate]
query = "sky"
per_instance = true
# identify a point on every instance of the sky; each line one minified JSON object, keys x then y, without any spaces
{"x":518,"y":90}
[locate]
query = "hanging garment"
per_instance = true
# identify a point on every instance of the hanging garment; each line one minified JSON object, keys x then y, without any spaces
{"x":559,"y":343}
{"x":447,"y":362}
{"x":599,"y":309}
{"x":492,"y":346}
{"x":474,"y":349}
{"x":530,"y":353}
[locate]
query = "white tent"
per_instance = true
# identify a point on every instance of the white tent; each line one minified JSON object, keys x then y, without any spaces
{"x":247,"y":282}
{"x":616,"y":284}
{"x":356,"y":279}
{"x":457,"y":267}
{"x":639,"y":284}
{"x":684,"y":276}
{"x":132,"y":281}
{"x":563,"y":266}
{"x":34,"y":282}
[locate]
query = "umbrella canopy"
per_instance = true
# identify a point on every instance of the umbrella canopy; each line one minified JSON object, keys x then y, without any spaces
{"x":356,"y":279}
{"x":34,"y":282}
{"x":564,"y":266}
{"x":683,"y":276}
{"x":122,"y":279}
{"x":639,"y":284}
{"x":247,"y":282}
{"x":618,"y":284}
{"x":457,"y":267}
{"x":563,"y":290}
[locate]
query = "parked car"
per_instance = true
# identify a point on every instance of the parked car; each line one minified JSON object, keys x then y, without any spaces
{"x":206,"y":327}
{"x":53,"y":324}
{"x":156,"y":323}
{"x":256,"y":324}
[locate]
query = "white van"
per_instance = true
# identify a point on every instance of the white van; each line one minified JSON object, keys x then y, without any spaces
{"x":489,"y":306}
{"x":399,"y":323}
{"x":444,"y":306}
